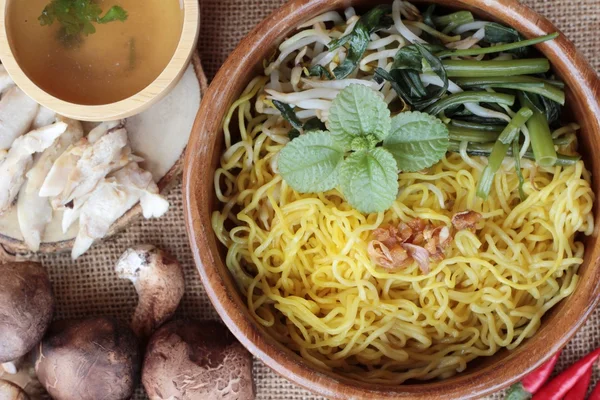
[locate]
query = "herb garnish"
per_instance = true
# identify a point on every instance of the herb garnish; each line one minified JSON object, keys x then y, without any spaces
{"x":349,"y":155}
{"x":77,"y":17}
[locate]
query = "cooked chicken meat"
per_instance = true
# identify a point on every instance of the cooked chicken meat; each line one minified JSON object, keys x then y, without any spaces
{"x":111,"y":199}
{"x":17,"y":112}
{"x":34,"y":211}
{"x":19,"y":160}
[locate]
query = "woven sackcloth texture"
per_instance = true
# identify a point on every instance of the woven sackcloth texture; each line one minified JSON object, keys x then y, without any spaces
{"x":89,"y":285}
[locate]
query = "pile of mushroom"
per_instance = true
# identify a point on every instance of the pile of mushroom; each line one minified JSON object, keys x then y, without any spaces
{"x":102,"y":357}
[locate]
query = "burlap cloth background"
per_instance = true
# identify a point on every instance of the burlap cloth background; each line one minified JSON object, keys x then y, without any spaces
{"x":89,"y":286}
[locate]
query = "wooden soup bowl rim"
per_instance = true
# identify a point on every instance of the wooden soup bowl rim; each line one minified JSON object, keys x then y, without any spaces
{"x":484,"y":375}
{"x":132,"y":105}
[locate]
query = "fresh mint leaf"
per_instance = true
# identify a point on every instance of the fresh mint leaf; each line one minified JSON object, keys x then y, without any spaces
{"x":358,"y":111}
{"x":310,"y":162}
{"x":369,"y":180}
{"x":417,"y":140}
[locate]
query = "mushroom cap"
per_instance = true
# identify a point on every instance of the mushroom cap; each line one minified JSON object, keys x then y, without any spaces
{"x":97,"y":358}
{"x":10,"y":391}
{"x":188,"y":360}
{"x":26,"y":308}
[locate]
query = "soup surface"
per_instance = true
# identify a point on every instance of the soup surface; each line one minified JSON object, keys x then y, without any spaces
{"x":117,"y":61}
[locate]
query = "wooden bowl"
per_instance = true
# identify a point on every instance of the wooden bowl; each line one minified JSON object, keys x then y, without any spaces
{"x":121,"y":109}
{"x":484,"y":375}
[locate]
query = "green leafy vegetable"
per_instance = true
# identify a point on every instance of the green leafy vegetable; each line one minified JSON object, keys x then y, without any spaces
{"x":508,"y":47}
{"x":77,"y":17}
{"x":287,"y":112}
{"x":310,"y":162}
{"x":369,"y":180}
{"x":405,"y":77}
{"x":509,"y":135}
{"x":320,"y":71}
{"x":539,"y":133}
{"x":470,"y":97}
{"x":451,"y":21}
{"x":485,"y":149}
{"x":368,"y":176}
{"x":517,"y":157}
{"x":417,"y":140}
{"x":358,"y":111}
{"x":357,"y":41}
{"x":497,"y":33}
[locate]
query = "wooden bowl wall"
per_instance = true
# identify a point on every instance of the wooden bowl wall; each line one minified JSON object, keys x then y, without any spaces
{"x":485,"y":375}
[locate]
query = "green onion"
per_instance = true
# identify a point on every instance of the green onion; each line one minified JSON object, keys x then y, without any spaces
{"x":524,"y":83}
{"x":498,"y":48}
{"x":474,"y":125}
{"x":540,"y":135}
{"x":470,"y":97}
{"x":472,"y":135}
{"x":485,"y":149}
{"x":476,"y":69}
{"x":509,"y":134}
{"x":517,"y":157}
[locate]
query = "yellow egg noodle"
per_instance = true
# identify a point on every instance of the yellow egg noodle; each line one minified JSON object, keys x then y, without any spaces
{"x":303,"y":262}
{"x":302,"y":259}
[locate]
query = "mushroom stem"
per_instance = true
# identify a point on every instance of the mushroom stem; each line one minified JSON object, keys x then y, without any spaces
{"x":159,"y":282}
{"x":10,"y":367}
{"x":10,"y":391}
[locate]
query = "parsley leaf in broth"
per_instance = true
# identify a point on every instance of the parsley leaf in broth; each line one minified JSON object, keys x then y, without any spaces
{"x":77,"y":18}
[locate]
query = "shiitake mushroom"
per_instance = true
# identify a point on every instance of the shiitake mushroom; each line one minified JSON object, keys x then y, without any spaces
{"x":10,"y":391}
{"x":189,"y":360}
{"x":26,"y":308}
{"x":97,"y":358}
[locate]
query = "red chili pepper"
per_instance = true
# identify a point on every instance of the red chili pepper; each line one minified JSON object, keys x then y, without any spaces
{"x":580,"y":389}
{"x":532,"y":382}
{"x":595,"y":393}
{"x":559,"y":386}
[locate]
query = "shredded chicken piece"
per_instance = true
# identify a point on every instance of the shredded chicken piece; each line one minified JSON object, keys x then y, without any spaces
{"x":17,"y":112}
{"x":466,"y":220}
{"x":20,"y":158}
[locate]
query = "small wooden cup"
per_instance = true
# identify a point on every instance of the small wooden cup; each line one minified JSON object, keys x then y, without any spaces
{"x":121,"y":109}
{"x":484,"y":375}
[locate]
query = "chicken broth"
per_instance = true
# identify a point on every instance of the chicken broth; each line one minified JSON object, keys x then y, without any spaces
{"x":112,"y":64}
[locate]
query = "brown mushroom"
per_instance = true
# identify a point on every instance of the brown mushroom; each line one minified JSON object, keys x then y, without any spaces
{"x":90,"y":359}
{"x":159,"y":282}
{"x":24,"y":377}
{"x":197,"y":360}
{"x":10,"y":391}
{"x":26,"y":308}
